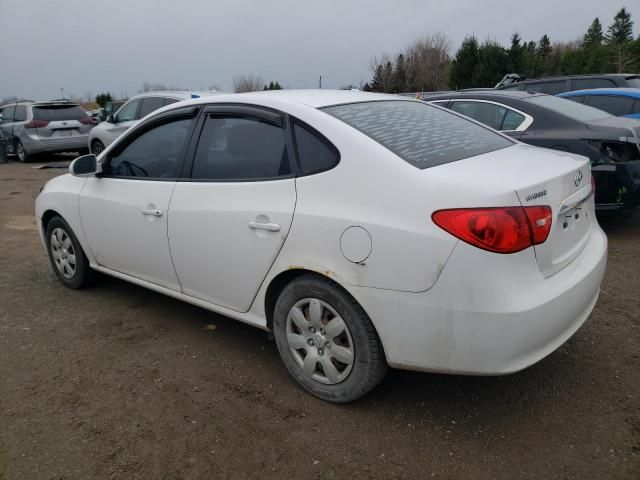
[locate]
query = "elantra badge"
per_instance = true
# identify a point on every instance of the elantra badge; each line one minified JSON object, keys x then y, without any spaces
{"x":577,"y":180}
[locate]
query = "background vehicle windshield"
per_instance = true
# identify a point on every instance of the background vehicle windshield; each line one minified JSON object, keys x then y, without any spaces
{"x":574,"y":110}
{"x":423,"y":135}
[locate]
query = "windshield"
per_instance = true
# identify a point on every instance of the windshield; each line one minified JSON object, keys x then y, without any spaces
{"x":568,"y":108}
{"x":421,"y":134}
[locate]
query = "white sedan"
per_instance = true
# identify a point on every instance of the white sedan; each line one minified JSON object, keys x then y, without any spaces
{"x":364,"y":230}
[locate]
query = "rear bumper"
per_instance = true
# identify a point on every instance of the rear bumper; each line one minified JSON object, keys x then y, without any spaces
{"x":37,"y":145}
{"x":485,"y":317}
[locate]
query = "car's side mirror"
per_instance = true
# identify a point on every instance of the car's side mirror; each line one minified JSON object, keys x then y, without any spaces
{"x":85,"y":166}
{"x":112,"y":118}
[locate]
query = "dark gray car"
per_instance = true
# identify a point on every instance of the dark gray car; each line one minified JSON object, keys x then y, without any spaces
{"x":31,"y":128}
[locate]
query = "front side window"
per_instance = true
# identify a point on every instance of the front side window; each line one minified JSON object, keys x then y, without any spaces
{"x":421,"y":134}
{"x":613,"y":104}
{"x":156,"y":153}
{"x":487,"y":113}
{"x":586,"y":83}
{"x":6,"y":114}
{"x":150,"y":104}
{"x":315,"y":152}
{"x":240,"y":148}
{"x":128,"y":111}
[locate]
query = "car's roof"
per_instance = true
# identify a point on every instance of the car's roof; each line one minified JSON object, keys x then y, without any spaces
{"x":179,"y":95}
{"x":523,"y":94}
{"x":625,"y":92}
{"x":315,"y":98}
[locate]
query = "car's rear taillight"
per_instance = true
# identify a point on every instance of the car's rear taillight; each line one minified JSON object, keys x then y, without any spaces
{"x":497,"y":229}
{"x":36,"y":124}
{"x":85,"y":120}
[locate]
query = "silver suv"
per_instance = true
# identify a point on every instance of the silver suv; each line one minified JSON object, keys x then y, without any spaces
{"x":29,"y":128}
{"x":131,"y":113}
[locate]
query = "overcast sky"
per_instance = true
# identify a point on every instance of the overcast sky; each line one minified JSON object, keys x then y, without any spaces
{"x":115,"y":45}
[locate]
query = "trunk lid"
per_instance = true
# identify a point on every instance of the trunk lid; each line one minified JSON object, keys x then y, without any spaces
{"x":539,"y":176}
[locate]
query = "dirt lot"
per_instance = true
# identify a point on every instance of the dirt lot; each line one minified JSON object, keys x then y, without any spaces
{"x":120,"y":382}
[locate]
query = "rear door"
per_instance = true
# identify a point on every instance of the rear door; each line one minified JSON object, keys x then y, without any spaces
{"x":229,"y":219}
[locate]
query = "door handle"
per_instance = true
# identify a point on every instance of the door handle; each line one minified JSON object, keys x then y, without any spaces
{"x":152,"y":211}
{"x":271,"y":227}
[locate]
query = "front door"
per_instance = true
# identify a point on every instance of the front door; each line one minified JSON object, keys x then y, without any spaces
{"x":228,"y":222}
{"x":124,"y":213}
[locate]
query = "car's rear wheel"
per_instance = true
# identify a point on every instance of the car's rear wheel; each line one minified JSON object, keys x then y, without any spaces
{"x":326,"y":340}
{"x":97,"y":147}
{"x":21,"y":153}
{"x":66,"y":255}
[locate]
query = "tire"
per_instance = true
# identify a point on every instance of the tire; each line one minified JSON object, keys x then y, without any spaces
{"x":309,"y":342}
{"x":97,"y":147}
{"x":21,"y":153}
{"x":62,"y":247}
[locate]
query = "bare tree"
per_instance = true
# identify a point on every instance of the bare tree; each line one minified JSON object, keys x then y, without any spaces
{"x":160,"y":87}
{"x":247,"y":83}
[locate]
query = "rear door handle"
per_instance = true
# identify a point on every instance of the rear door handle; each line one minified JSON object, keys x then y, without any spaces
{"x":271,"y":227}
{"x":152,"y":211}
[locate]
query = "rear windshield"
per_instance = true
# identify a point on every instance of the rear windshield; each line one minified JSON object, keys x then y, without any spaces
{"x":574,"y":110}
{"x":421,"y":134}
{"x":52,"y":113}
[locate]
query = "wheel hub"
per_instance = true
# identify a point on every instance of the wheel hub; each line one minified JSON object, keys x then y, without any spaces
{"x":320,"y":341}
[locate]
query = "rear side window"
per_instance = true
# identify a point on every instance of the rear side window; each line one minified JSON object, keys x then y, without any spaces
{"x":240,"y":148}
{"x":512,"y":120}
{"x":487,"y":113}
{"x":169,"y":101}
{"x":585,"y":83}
{"x":20,"y":113}
{"x":576,"y":98}
{"x":551,"y":88}
{"x":613,"y":104}
{"x":54,"y":113}
{"x":150,"y":104}
{"x":636,"y":107}
{"x":315,"y":152}
{"x":419,"y":133}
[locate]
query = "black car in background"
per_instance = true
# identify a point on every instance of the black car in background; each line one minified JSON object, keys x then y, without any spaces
{"x":611,"y":143}
{"x":568,"y":83}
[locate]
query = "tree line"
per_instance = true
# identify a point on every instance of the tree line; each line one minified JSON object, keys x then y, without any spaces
{"x":426,"y":65}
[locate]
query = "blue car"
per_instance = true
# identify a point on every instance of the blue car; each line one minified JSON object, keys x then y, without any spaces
{"x":621,"y":102}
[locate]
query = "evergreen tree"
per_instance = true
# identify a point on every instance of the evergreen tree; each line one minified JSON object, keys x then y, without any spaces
{"x":493,"y":64}
{"x":376,"y":81}
{"x":399,"y":81}
{"x":619,"y":41}
{"x":387,"y":77}
{"x":594,"y":36}
{"x":621,"y":30}
{"x":464,"y":64}
{"x":516,"y":54}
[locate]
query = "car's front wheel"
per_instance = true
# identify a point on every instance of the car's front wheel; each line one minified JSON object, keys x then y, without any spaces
{"x":326,"y":340}
{"x":97,"y":147}
{"x":66,"y":255}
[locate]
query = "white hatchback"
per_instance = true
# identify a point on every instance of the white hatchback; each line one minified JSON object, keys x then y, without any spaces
{"x":364,"y":230}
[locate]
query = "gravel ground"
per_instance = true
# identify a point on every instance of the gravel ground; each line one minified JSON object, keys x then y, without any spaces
{"x":119,"y":382}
